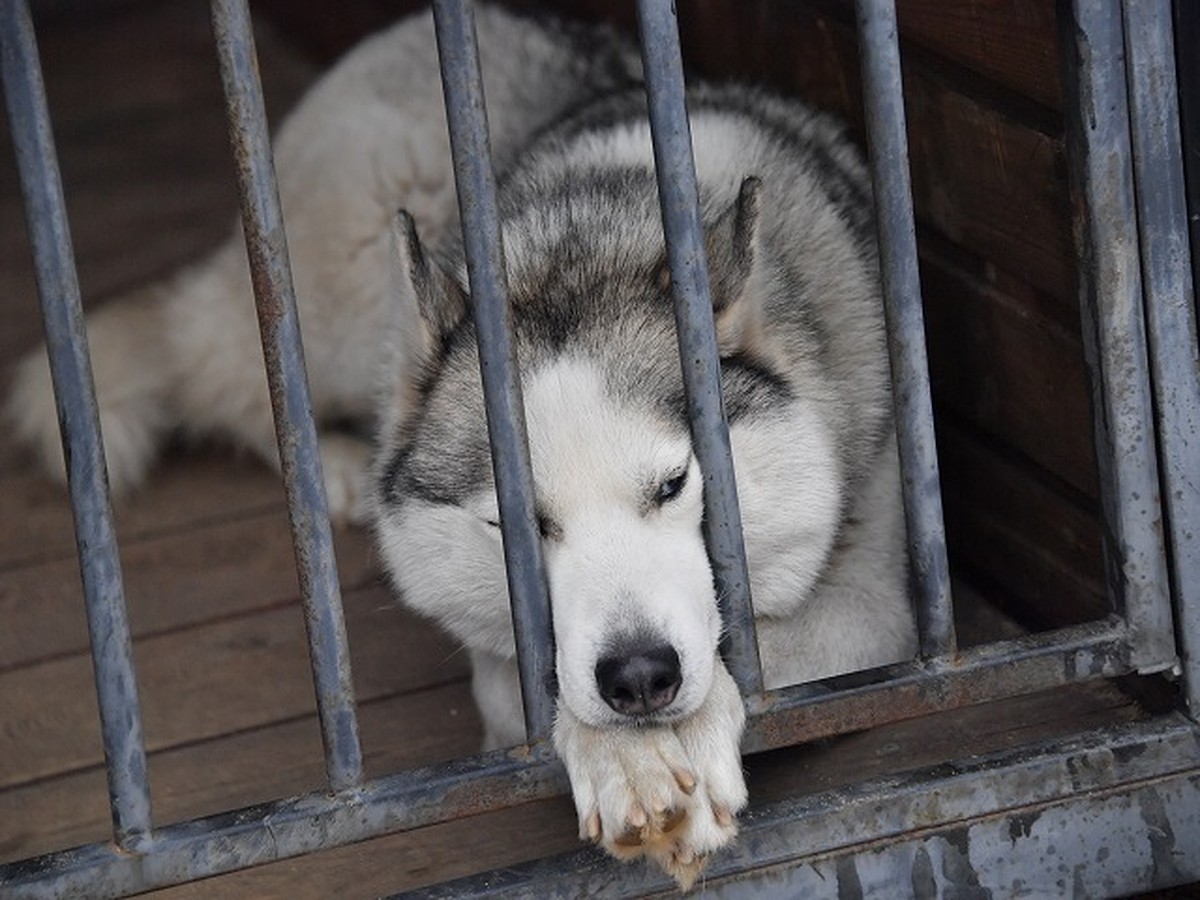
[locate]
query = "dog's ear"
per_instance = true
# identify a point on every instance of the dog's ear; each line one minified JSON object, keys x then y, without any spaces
{"x":734,"y":257}
{"x":434,"y":300}
{"x":426,"y":304}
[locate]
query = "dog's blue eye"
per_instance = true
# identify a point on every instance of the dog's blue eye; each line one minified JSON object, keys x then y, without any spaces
{"x":670,"y":488}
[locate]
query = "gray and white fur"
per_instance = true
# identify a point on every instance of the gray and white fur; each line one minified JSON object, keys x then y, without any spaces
{"x":648,"y":720}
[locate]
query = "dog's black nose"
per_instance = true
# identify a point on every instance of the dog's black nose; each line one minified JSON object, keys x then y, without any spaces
{"x":639,"y":680}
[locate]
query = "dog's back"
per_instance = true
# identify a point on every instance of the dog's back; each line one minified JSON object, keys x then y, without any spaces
{"x":369,"y":138}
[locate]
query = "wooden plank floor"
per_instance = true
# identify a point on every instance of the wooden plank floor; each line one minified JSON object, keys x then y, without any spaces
{"x":227,"y":698}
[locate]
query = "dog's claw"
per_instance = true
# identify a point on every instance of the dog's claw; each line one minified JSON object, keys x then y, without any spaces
{"x":672,"y":819}
{"x":631,"y":837}
{"x":681,"y":862}
{"x":592,"y":830}
{"x":636,"y":817}
{"x":685,"y":779}
{"x":685,"y":872}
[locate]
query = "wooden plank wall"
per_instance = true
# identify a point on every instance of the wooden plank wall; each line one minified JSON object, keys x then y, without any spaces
{"x":989,"y":181}
{"x":998,"y":265}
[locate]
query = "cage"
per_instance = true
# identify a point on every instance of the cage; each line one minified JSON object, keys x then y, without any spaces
{"x":1061,"y":674}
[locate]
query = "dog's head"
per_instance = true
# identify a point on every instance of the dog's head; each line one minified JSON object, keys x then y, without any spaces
{"x":620,"y":509}
{"x":618,"y":490}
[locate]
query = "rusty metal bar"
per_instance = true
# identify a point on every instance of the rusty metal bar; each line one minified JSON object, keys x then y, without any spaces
{"x":1098,"y":136}
{"x":883,"y":101}
{"x":525,"y":568}
{"x":83,"y":450}
{"x":288,"y":828}
{"x":676,"y":173}
{"x":988,"y":672}
{"x":1170,"y":306}
{"x":296,"y":432}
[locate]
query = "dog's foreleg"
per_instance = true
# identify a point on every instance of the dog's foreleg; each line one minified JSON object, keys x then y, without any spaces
{"x":669,"y":792}
{"x":711,"y":739}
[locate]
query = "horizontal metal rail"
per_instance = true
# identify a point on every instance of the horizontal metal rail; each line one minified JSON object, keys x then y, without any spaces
{"x":678,"y":198}
{"x":440,"y":793}
{"x":1024,"y":822}
{"x":288,"y":828}
{"x":883,"y":100}
{"x":78,"y":415}
{"x":296,"y":434}
{"x":528,"y":593}
{"x":989,"y":672}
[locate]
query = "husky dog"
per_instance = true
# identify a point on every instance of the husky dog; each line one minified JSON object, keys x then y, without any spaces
{"x":648,"y":719}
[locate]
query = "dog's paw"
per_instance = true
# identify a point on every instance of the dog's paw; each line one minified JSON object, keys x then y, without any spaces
{"x":667,"y":792}
{"x":132,"y":418}
{"x":344,"y":461}
{"x":632,"y":786}
{"x":711,"y":741}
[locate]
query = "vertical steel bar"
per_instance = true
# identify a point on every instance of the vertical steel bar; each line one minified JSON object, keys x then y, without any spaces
{"x":70,"y":368}
{"x":883,"y":98}
{"x":471,"y":149}
{"x":1170,"y":307}
{"x":698,"y":352}
{"x":1113,"y":327}
{"x":279,"y":325}
{"x":1187,"y":66}
{"x":1187,"y":62}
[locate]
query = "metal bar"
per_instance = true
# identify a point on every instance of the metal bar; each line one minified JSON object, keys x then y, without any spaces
{"x":883,"y":100}
{"x":288,"y":828}
{"x":676,"y":173}
{"x":275,"y":299}
{"x":1021,"y":822}
{"x":440,"y":793}
{"x":1187,"y":61}
{"x":850,"y":703}
{"x":471,"y":149}
{"x":83,"y":450}
{"x":1170,"y":306}
{"x":1113,"y":327}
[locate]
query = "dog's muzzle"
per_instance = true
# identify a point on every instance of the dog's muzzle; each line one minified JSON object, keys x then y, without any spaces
{"x":639,"y":678}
